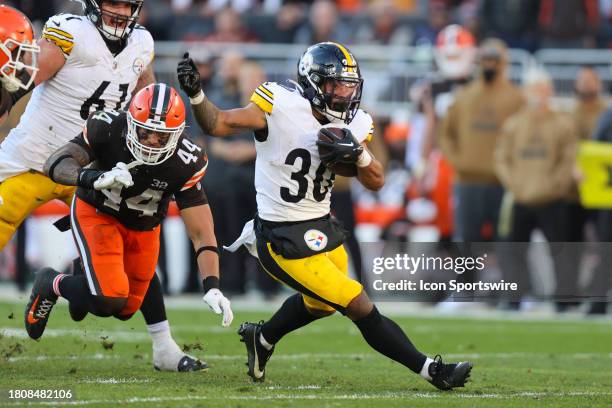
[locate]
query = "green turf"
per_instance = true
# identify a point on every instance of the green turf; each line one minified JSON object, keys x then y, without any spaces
{"x":107,"y":362}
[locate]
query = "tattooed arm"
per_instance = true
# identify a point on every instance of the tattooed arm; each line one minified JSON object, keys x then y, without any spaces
{"x":211,"y":119}
{"x":216,"y":122}
{"x":66,"y":163}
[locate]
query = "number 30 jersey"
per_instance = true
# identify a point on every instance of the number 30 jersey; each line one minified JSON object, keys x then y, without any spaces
{"x":92,"y":78}
{"x":291,"y":182}
{"x":144,"y":205}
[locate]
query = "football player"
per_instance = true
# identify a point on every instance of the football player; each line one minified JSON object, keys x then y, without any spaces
{"x":140,"y":160}
{"x":86,"y":63}
{"x":297,"y":241}
{"x":18,"y":57}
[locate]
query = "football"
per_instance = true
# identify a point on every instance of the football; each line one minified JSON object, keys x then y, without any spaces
{"x":341,"y":169}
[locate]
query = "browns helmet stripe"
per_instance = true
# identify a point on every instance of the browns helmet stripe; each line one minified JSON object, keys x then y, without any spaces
{"x":160,"y":102}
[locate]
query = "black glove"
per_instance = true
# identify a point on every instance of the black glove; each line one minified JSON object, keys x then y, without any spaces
{"x":188,"y":76}
{"x":333,"y":150}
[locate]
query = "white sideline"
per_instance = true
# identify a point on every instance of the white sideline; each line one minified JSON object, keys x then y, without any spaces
{"x":308,"y":356}
{"x":380,"y":396}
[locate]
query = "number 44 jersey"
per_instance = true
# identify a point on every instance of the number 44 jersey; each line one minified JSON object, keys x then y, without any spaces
{"x":91,"y":79}
{"x":144,"y":205}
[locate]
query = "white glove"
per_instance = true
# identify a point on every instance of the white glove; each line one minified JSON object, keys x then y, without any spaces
{"x":119,"y":176}
{"x":219,"y":304}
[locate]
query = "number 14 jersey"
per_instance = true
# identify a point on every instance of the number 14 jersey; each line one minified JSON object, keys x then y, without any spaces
{"x":92,"y":78}
{"x":144,"y":205}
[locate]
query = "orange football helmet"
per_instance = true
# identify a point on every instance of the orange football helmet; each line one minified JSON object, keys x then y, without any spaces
{"x":156,"y":119}
{"x":18,"y":51}
{"x":455,"y":52}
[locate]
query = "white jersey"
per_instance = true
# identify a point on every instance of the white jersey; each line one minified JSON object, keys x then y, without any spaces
{"x":91,"y":79}
{"x":291,"y":182}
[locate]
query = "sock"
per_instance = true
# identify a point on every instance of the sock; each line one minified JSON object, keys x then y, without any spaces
{"x":152,"y":307}
{"x":386,"y":337}
{"x":56,"y":281}
{"x":291,"y":316}
{"x":425,"y":370}
{"x":161,"y":336}
{"x":73,"y":288}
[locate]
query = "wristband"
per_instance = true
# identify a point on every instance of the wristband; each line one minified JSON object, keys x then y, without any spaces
{"x":87,"y":177}
{"x":364,"y":160}
{"x":210,"y":282}
{"x":199,"y":98}
{"x":207,"y":248}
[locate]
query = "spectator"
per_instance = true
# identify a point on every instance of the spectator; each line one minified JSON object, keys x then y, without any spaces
{"x":589,"y":106}
{"x":238,"y":155}
{"x":224,"y":91}
{"x":515,"y":22}
{"x":229,"y":29}
{"x":287,"y":20}
{"x":384,"y":27}
{"x":534,"y":161}
{"x":601,"y":281}
{"x":437,"y":19}
{"x":568,"y":23}
{"x":323,"y":25}
{"x":605,"y":24}
{"x":470,"y":132}
{"x":454,"y":54}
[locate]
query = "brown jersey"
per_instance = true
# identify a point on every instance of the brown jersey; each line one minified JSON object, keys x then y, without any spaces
{"x":144,"y":205}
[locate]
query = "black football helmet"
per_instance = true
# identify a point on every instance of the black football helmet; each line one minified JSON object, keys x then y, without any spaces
{"x":93,"y":11}
{"x":331,"y":80}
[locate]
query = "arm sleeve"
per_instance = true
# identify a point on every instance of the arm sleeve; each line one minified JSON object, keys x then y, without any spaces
{"x":80,"y":140}
{"x":191,"y":197}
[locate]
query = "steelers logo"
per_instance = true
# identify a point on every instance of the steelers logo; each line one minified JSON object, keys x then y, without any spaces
{"x":305,"y":64}
{"x":315,"y":239}
{"x":138,"y":66}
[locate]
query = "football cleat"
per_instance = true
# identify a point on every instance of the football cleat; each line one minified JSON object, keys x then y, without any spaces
{"x":257,"y":354}
{"x":41,"y":303}
{"x":448,"y":376}
{"x":186,"y":364}
{"x":77,"y":313}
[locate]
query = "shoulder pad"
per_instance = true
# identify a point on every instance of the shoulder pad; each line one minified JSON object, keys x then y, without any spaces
{"x":62,"y":30}
{"x":264,"y":96}
{"x":103,"y":125}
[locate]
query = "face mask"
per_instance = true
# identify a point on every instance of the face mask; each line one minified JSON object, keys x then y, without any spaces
{"x":489,"y":74}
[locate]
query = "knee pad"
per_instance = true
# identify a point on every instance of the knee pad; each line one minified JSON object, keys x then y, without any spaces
{"x":105,"y":306}
{"x":317,"y":308}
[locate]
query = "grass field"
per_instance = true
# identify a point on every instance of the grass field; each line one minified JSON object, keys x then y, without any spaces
{"x":107,"y":362}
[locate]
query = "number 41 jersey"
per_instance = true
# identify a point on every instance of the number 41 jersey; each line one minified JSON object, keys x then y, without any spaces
{"x":92,"y":78}
{"x":144,"y":205}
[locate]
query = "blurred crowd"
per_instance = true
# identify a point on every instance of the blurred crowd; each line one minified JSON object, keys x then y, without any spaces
{"x":479,"y":158}
{"x":526,"y":24}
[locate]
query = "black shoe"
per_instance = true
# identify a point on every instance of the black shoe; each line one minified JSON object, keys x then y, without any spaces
{"x":77,"y":312}
{"x":448,"y":376}
{"x":41,"y":303}
{"x":189,"y":364}
{"x":258,"y":355}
